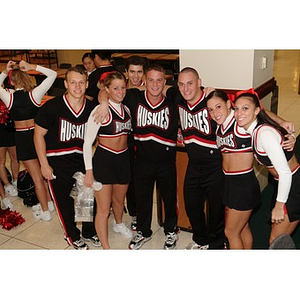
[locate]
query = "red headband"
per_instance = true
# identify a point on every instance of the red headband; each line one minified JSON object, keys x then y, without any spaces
{"x":102,"y":77}
{"x":249,"y":91}
{"x":9,"y":77}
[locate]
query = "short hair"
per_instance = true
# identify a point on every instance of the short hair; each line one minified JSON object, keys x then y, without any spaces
{"x":77,"y":70}
{"x":136,"y":60}
{"x":103,"y":54}
{"x":190,"y":69}
{"x":156,"y":67}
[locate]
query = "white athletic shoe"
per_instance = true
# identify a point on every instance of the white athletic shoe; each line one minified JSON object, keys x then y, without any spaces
{"x":42,"y":215}
{"x":10,"y":190}
{"x":123,"y":229}
{"x":38,"y":206}
{"x":5,"y":203}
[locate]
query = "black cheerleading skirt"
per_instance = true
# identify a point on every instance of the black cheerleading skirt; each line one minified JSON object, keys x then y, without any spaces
{"x":25,"y":145}
{"x":7,"y":136}
{"x":292,"y":204}
{"x":241,"y":191}
{"x":111,"y":168}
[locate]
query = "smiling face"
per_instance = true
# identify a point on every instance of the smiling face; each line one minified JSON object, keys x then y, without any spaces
{"x":135,"y":75}
{"x":245,"y":111}
{"x":76,"y":84}
{"x":155,"y":82}
{"x":218,"y":109}
{"x":189,"y":86}
{"x":116,"y":90}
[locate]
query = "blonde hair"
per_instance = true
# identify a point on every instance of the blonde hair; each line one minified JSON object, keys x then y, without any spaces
{"x":21,"y":79}
{"x":111,"y":76}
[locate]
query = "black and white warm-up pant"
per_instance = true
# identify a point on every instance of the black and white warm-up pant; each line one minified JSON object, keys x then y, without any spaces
{"x":64,"y":168}
{"x":204,"y":182}
{"x":145,"y":175}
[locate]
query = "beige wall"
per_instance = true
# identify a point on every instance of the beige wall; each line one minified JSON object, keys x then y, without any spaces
{"x":229,"y":69}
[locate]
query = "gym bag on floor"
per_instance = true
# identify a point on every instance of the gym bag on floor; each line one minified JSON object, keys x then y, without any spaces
{"x":26,"y":190}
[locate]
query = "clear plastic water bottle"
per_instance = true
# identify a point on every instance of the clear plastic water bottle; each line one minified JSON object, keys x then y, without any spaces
{"x":97,"y":186}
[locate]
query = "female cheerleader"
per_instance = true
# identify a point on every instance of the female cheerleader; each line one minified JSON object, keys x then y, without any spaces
{"x":23,"y":105}
{"x":110,"y":164}
{"x":267,"y":140}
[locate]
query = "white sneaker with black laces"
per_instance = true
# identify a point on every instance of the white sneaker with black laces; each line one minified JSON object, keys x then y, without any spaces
{"x":94,"y":240}
{"x":5,"y":203}
{"x":123,"y":229}
{"x":195,"y":246}
{"x":80,"y":245}
{"x":170,"y":240}
{"x":10,"y":190}
{"x":138,"y":241}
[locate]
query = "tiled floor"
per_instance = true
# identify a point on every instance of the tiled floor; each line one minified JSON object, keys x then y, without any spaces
{"x":36,"y":234}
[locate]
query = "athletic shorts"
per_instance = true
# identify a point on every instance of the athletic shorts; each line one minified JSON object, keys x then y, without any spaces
{"x":110,"y":168}
{"x":241,"y":191}
{"x":7,"y":136}
{"x":25,"y":145}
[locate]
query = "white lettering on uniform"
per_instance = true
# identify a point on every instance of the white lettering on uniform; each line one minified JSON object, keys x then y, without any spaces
{"x":70,"y":131}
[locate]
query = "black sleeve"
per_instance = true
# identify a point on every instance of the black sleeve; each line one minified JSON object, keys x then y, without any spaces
{"x":92,"y":89}
{"x":174,"y":94}
{"x":45,"y":115}
{"x":131,"y":98}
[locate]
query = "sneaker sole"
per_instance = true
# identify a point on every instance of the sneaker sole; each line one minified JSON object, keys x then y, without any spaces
{"x":40,"y":218}
{"x":141,"y":244}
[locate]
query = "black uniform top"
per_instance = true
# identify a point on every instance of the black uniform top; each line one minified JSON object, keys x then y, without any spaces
{"x":94,"y":78}
{"x":66,"y":128}
{"x":231,"y":138}
{"x":261,"y":156}
{"x":198,"y":131}
{"x":23,"y":105}
{"x":154,"y":126}
{"x":117,"y":124}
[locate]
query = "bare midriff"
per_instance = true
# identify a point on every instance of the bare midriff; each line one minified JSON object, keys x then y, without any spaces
{"x":237,"y":162}
{"x":24,"y":124}
{"x":118,"y":143}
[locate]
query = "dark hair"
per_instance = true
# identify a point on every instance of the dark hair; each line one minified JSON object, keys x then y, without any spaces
{"x":262,"y":117}
{"x":77,"y":70}
{"x":103,"y":54}
{"x":220,"y":94}
{"x":190,"y":69}
{"x":137,"y":61}
{"x":88,"y":54}
{"x":156,"y":67}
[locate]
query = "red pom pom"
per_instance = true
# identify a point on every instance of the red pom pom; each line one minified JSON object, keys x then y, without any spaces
{"x":10,"y":219}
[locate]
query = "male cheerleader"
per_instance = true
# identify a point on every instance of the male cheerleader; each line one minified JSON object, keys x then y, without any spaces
{"x":59,"y":136}
{"x":155,"y":127}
